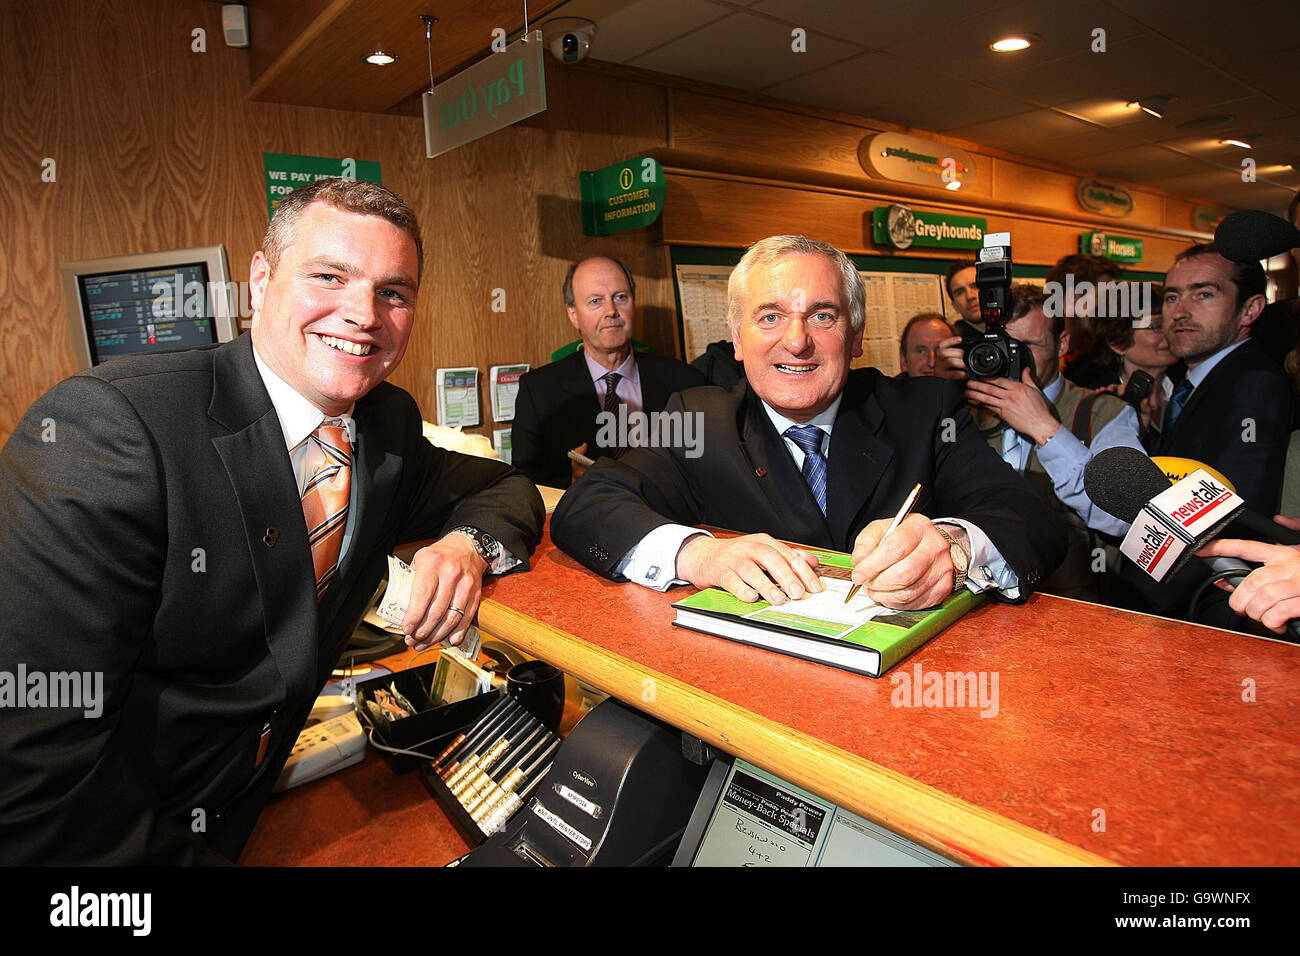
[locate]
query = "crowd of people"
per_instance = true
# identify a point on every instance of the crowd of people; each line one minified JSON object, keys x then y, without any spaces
{"x":218,"y":519}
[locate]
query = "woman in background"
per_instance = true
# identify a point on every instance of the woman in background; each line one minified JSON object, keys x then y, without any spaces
{"x":1141,"y":348}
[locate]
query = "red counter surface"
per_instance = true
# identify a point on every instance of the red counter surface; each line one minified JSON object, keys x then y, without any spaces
{"x":1117,"y":738}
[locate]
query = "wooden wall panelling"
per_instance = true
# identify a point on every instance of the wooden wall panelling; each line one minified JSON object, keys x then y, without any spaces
{"x":729,"y":211}
{"x":719,"y":134}
{"x":165,"y":151}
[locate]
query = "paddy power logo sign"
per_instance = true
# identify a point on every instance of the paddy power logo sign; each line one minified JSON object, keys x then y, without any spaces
{"x":910,"y":159}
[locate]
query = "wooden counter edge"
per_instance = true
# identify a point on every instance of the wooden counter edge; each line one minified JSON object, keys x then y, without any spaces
{"x":948,"y":825}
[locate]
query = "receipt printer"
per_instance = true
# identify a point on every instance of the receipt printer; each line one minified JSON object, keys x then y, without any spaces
{"x":619,"y":793}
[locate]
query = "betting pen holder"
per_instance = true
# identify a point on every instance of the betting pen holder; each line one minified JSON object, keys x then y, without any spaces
{"x":450,"y":802}
{"x":431,"y":728}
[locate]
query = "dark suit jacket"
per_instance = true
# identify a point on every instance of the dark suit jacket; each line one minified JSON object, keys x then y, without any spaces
{"x":158,"y":539}
{"x":557,"y":405}
{"x":1215,"y":425}
{"x":888,"y":435}
{"x":1238,"y":421}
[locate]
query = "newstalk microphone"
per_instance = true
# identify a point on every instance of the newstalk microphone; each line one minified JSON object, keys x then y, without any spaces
{"x":1169,"y":522}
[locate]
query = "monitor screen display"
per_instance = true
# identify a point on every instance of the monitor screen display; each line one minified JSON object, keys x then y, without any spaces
{"x":129,"y":305}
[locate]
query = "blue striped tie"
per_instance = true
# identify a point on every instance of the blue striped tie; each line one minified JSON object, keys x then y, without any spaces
{"x":809,"y":440}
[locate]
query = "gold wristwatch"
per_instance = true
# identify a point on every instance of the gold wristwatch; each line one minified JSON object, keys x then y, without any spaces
{"x":960,"y":559}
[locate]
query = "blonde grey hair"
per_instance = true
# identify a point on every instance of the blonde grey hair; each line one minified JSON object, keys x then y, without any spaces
{"x":775,"y":248}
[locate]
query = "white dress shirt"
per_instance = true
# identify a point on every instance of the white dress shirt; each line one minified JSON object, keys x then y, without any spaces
{"x":653,"y":561}
{"x":299,"y":418}
{"x":628,"y":388}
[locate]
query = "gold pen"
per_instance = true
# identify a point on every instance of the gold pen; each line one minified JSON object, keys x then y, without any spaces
{"x":902,"y":513}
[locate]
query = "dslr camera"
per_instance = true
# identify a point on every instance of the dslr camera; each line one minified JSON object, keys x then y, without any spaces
{"x":992,"y":353}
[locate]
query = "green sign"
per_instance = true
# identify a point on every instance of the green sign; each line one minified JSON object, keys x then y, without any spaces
{"x":1119,"y":248}
{"x":492,"y":94}
{"x":627,"y":195}
{"x":902,"y":228}
{"x":286,"y":172}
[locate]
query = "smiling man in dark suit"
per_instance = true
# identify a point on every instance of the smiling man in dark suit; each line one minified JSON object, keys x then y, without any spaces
{"x":559,"y":406}
{"x":806,"y":450}
{"x":203,"y":529}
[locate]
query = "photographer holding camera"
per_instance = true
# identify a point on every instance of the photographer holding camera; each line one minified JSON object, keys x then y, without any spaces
{"x":1020,"y":401}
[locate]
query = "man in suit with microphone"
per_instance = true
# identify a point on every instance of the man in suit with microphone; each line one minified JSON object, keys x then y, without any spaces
{"x":806,"y":450}
{"x":1233,"y":409}
{"x":199,"y":532}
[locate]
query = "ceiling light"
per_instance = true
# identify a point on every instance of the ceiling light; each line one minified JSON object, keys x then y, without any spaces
{"x":1151,"y":105}
{"x":1244,"y":144}
{"x":380,"y":58}
{"x":1013,"y":43}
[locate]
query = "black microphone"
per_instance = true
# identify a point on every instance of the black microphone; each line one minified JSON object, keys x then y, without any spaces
{"x":1120,"y":481}
{"x":1249,"y":235}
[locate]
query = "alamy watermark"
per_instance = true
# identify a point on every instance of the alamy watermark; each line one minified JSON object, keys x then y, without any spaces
{"x":1101,"y":300}
{"x":197,"y":300}
{"x":68,"y":690}
{"x":632,"y":429}
{"x":76,"y":908}
{"x":946,"y":689}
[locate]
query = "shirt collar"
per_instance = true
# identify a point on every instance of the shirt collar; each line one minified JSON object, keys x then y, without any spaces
{"x":825,"y":421}
{"x":627,"y":370}
{"x":298,"y":417}
{"x":1197,"y":375}
{"x":1053,"y":391}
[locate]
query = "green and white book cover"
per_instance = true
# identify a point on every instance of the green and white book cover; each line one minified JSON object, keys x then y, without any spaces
{"x":860,"y":635}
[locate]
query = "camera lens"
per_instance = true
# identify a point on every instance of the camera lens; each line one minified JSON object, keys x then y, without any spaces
{"x":570,"y":45}
{"x":985,"y":360}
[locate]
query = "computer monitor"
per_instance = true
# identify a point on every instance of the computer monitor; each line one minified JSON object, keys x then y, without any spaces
{"x":127,"y":305}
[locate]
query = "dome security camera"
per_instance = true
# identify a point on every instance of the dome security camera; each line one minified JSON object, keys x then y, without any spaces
{"x":569,"y":38}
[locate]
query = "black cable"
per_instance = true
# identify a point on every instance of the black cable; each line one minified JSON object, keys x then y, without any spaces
{"x":1208,"y":583}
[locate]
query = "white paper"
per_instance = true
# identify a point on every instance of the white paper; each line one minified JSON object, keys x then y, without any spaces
{"x":397,"y":596}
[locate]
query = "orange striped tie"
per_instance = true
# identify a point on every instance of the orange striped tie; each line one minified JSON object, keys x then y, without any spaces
{"x":325,"y":500}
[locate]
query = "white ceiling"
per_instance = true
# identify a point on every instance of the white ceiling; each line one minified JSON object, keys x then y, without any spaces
{"x":926,"y":64}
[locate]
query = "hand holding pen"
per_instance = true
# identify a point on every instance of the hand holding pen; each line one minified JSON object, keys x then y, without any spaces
{"x":905,"y":563}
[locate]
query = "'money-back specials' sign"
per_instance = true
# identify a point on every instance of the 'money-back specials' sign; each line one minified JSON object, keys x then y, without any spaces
{"x":491,"y":95}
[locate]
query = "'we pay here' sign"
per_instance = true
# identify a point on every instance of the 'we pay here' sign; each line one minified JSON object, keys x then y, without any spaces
{"x":285,"y":173}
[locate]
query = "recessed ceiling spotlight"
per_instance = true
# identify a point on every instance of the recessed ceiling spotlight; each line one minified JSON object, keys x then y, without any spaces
{"x":380,"y":58}
{"x":1014,"y":42}
{"x":1232,"y":141}
{"x":1151,"y":105}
